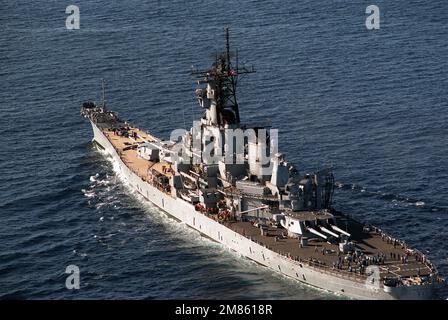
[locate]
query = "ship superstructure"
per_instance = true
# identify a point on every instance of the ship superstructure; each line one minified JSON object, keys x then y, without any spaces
{"x":229,"y":181}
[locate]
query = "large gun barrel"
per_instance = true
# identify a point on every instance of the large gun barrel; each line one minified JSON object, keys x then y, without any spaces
{"x":329,"y":232}
{"x":317,"y":233}
{"x":340,"y":230}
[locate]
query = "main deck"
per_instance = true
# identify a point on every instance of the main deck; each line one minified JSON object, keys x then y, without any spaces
{"x":123,"y":145}
{"x":393,"y":257}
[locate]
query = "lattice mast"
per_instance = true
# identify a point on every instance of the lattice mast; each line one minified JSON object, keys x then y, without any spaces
{"x":219,"y":96}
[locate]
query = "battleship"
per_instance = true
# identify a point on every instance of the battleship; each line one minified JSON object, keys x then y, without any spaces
{"x":228,"y":181}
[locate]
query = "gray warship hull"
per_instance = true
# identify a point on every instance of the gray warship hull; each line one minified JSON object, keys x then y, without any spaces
{"x":349,"y":285}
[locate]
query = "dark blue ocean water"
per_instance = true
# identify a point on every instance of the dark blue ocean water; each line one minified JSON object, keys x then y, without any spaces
{"x":372,"y":103}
